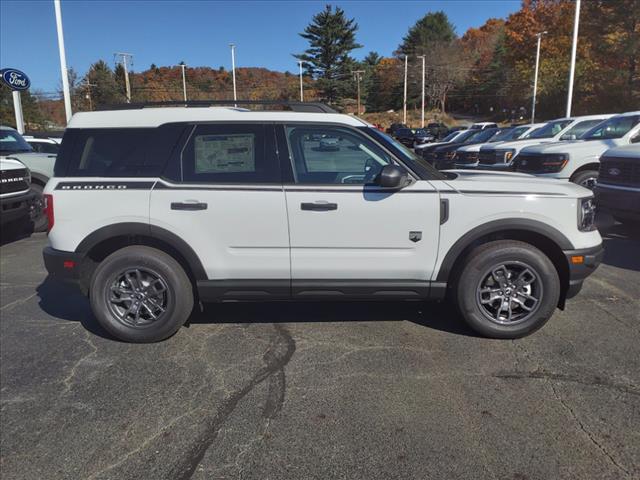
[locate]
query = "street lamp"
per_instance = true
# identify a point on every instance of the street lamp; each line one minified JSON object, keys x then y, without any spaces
{"x":535,"y":78}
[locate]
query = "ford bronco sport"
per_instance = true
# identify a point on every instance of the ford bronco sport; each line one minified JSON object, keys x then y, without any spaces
{"x":153,"y":209}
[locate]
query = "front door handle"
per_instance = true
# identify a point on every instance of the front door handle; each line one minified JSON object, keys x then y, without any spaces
{"x":188,"y":206}
{"x":319,"y":206}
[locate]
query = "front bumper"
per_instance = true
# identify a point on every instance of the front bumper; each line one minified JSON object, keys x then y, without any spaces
{"x":582,"y":263}
{"x":16,"y":207}
{"x":621,"y":201}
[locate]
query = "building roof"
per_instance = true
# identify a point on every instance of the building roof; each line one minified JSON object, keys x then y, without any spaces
{"x":156,"y":116}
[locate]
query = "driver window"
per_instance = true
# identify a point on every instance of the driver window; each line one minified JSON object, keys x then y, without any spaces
{"x":333,"y":155}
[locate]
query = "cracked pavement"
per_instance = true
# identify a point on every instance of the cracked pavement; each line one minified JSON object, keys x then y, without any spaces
{"x":320,"y":390}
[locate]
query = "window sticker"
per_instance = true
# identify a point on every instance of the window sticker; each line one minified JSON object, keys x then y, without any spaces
{"x":225,"y":153}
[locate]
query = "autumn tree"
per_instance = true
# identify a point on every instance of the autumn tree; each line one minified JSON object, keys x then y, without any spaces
{"x":331,"y":37}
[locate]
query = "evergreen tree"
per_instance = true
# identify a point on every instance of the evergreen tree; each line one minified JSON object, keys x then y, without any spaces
{"x":331,"y":38}
{"x":430,"y":30}
{"x":106,"y":91}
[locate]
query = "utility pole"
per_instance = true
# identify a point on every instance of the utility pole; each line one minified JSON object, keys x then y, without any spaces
{"x":233,"y":70}
{"x":573,"y":57}
{"x":63,"y":62}
{"x":423,"y":57}
{"x":125,"y":59}
{"x":301,"y":91}
{"x":535,"y":78}
{"x":356,"y":74}
{"x":184,"y":82}
{"x":404,"y":102}
{"x":88,"y":86}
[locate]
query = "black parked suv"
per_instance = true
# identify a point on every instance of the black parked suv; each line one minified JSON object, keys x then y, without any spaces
{"x":618,"y":185}
{"x":443,"y":157}
{"x":438,"y":130}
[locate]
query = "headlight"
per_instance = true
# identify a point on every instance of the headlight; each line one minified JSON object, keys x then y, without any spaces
{"x":508,"y":155}
{"x":587,"y":215}
{"x":554,"y":163}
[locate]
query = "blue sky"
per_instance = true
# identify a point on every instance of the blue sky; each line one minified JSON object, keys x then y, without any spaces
{"x":198,"y":32}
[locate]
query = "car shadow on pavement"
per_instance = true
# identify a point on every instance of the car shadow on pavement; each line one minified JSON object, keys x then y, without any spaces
{"x":438,"y":316}
{"x":64,"y":301}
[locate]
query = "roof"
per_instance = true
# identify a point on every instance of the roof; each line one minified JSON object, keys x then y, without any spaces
{"x":154,"y":117}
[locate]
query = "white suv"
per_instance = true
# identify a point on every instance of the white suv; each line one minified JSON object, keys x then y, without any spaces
{"x":152,"y":210}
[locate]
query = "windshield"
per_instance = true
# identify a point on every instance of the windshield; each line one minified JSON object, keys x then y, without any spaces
{"x":450,"y":137}
{"x":506,"y":134}
{"x":465,"y":135}
{"x":12,"y":142}
{"x":404,"y":131}
{"x":551,"y":129}
{"x":580,"y":129}
{"x":482,"y":136}
{"x":406,"y":155}
{"x":616,"y":127}
{"x":518,"y":132}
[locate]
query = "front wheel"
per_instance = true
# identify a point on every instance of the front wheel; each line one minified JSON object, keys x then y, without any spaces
{"x":586,"y":178}
{"x":507,"y":289}
{"x":141,"y":294}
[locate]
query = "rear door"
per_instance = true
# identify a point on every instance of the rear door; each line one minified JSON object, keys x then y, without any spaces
{"x":343,"y":228}
{"x":223,"y":195}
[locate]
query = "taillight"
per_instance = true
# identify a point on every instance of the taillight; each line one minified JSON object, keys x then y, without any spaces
{"x":48,"y":210}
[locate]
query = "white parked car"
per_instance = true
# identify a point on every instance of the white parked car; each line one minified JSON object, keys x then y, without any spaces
{"x":152,"y":210}
{"x":468,"y":155}
{"x":578,"y":161}
{"x":500,"y":157}
{"x":43,"y":144}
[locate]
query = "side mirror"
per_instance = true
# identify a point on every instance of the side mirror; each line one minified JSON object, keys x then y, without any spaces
{"x":392,"y":176}
{"x":635,"y":139}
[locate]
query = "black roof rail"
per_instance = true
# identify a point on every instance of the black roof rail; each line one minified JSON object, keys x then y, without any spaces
{"x":309,"y":107}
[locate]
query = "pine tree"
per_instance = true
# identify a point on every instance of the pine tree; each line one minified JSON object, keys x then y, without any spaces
{"x":106,"y":91}
{"x":432,"y":29}
{"x":331,"y":38}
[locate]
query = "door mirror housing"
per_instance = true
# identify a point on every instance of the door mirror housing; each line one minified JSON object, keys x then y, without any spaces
{"x":392,"y":176}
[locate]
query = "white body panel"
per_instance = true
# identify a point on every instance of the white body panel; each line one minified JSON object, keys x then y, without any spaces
{"x":7,"y":164}
{"x":243,"y":233}
{"x":367,"y":236}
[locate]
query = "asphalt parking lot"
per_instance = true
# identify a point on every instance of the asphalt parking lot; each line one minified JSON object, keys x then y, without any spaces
{"x":320,"y":391}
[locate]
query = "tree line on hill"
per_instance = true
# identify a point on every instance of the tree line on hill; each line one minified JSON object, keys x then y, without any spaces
{"x":487,"y":71}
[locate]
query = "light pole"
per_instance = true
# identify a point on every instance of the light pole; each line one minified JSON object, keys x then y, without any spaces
{"x":423,"y":57}
{"x":184,"y":82}
{"x":404,"y":102}
{"x":125,"y":58}
{"x":233,"y":70}
{"x":301,"y":91}
{"x":574,"y":47}
{"x":63,"y":62}
{"x":535,"y":78}
{"x":357,"y":73}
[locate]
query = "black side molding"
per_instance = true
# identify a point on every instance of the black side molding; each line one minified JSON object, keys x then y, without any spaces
{"x":188,"y":206}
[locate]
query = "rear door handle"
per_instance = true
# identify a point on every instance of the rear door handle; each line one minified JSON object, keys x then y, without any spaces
{"x":319,"y":206}
{"x":188,"y":206}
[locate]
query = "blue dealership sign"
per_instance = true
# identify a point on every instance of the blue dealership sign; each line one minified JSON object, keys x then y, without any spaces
{"x":15,"y":79}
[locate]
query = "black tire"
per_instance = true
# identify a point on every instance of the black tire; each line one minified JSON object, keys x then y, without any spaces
{"x":479,"y":274}
{"x":586,"y":178}
{"x":165,"y":292}
{"x":39,"y":220}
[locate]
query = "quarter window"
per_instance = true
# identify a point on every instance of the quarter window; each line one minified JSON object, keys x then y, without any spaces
{"x":333,"y":155}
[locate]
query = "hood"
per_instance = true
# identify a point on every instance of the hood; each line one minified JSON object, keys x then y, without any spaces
{"x":474,"y":147}
{"x":28,"y":155}
{"x":468,"y":181}
{"x":430,"y":146}
{"x":10,"y":164}
{"x":520,"y":144}
{"x":576,"y":147}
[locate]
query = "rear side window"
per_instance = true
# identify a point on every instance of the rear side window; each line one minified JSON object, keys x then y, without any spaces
{"x":228,"y":154}
{"x":116,"y":152}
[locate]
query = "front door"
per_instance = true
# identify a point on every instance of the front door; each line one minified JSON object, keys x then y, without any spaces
{"x":344,"y":229}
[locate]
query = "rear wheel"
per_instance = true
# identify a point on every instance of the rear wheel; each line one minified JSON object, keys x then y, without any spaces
{"x":141,"y":294}
{"x":586,"y":178}
{"x":507,"y":289}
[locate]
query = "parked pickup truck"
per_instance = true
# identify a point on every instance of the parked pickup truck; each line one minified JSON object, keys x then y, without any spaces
{"x":467,"y":156}
{"x":14,"y":145}
{"x":618,"y":185}
{"x":16,"y":197}
{"x":500,"y":157}
{"x":578,"y":161}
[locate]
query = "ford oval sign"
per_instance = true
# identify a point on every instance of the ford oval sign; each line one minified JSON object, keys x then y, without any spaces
{"x":15,"y":79}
